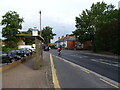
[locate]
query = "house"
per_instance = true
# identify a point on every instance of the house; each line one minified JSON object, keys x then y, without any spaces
{"x":67,"y":42}
{"x":71,"y":42}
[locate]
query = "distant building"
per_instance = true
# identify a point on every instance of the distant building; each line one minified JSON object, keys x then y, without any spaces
{"x":71,"y":42}
{"x":66,"y":42}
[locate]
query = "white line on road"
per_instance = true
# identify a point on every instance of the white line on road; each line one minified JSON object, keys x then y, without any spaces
{"x":79,"y":56}
{"x":100,"y":76}
{"x":76,"y":56}
{"x":115,"y":57}
{"x":116,"y":65}
{"x":85,"y":56}
{"x":94,"y":60}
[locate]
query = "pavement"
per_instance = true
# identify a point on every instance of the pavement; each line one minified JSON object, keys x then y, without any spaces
{"x":23,"y":75}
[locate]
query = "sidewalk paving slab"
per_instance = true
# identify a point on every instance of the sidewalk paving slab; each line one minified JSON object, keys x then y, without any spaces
{"x":24,"y":76}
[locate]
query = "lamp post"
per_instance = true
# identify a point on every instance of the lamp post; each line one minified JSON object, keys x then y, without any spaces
{"x":40,"y":24}
{"x":41,"y":56}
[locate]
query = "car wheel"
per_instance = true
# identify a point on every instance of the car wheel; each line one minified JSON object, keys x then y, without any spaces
{"x":13,"y":60}
{"x":25,"y":55}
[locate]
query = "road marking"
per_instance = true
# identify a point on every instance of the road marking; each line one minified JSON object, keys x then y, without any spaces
{"x":116,"y":65}
{"x":94,"y":60}
{"x":85,"y":56}
{"x":115,"y":57}
{"x":54,"y":76}
{"x":85,"y":71}
{"x":108,"y":61}
{"x":109,"y":83}
{"x":72,"y":55}
{"x":100,"y":76}
{"x":77,"y":56}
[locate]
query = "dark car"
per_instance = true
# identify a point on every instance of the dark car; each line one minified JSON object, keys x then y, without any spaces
{"x":13,"y":55}
{"x":31,"y":51}
{"x":4,"y":58}
{"x":26,"y":51}
{"x":21,"y":52}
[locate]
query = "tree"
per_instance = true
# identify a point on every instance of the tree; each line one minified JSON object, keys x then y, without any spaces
{"x":47,"y":34}
{"x":91,"y":21}
{"x":12,"y":23}
{"x":84,"y":29}
{"x":109,"y":42}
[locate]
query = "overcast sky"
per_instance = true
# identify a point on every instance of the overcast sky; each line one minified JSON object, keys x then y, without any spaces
{"x":58,"y":14}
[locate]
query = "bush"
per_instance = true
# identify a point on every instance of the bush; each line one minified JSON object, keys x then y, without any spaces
{"x":7,"y":48}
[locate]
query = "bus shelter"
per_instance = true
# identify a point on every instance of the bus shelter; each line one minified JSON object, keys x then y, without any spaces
{"x":38,"y":42}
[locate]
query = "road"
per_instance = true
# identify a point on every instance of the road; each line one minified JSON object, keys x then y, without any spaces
{"x":77,"y":69}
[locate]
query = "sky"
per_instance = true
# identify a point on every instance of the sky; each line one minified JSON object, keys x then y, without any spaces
{"x":58,"y":14}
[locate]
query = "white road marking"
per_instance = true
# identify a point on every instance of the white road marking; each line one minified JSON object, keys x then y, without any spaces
{"x":94,"y":60}
{"x":108,"y":61}
{"x":85,"y":56}
{"x":116,"y":65}
{"x":115,"y":57}
{"x":77,"y":56}
{"x":100,"y":76}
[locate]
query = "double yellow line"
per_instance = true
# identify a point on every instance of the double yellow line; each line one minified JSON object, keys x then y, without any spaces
{"x":109,"y":83}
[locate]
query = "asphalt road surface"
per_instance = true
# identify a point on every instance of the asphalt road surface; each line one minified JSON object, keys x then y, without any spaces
{"x":77,"y":69}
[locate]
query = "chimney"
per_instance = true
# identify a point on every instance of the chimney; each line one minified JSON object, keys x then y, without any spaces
{"x":62,"y":37}
{"x":67,"y":36}
{"x":58,"y":38}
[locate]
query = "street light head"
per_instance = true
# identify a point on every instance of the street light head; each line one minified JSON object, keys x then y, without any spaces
{"x":40,"y":12}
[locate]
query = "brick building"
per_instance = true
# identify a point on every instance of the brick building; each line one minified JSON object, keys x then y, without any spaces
{"x":66,"y":42}
{"x":69,"y":42}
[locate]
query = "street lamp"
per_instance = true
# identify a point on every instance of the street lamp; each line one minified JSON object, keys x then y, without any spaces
{"x":41,"y":53}
{"x":40,"y":24}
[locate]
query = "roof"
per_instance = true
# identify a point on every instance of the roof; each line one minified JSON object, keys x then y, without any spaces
{"x":30,"y":36}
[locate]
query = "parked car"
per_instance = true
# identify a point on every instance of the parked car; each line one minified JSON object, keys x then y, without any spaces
{"x":26,"y":51}
{"x":31,"y":52}
{"x":13,"y":55}
{"x":21,"y":52}
{"x":4,"y":58}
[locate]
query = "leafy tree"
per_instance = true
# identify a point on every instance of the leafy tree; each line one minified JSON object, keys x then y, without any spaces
{"x":12,"y":23}
{"x":84,"y":29}
{"x":47,"y":34}
{"x":91,"y":21}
